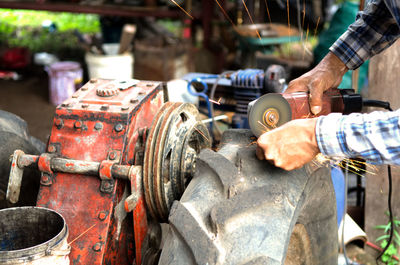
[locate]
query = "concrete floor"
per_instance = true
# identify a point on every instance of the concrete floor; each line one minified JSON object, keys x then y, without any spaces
{"x":28,"y":98}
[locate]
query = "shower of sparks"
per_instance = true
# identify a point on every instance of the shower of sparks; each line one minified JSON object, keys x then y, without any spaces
{"x":87,"y":230}
{"x":227,"y":17}
{"x":302,"y":24}
{"x":353,"y":166}
{"x":181,"y":8}
{"x":215,"y":102}
{"x":316,"y":27}
{"x":251,"y":19}
{"x":269,"y":16}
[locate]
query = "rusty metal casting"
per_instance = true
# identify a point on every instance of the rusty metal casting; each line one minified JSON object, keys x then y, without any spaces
{"x":175,"y":138}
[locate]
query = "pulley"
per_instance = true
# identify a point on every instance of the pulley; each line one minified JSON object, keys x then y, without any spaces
{"x":176,"y":137}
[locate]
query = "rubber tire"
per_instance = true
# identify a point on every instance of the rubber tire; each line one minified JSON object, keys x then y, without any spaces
{"x":14,"y":135}
{"x":239,"y":210}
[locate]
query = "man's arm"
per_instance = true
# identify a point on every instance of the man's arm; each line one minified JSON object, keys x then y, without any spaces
{"x":374,"y":30}
{"x":373,"y":136}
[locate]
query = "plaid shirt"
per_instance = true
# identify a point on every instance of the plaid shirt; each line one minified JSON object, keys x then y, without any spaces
{"x":373,"y":136}
{"x":375,"y":29}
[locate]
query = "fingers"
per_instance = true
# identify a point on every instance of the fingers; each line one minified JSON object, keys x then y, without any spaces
{"x":259,"y":153}
{"x":315,"y":98}
{"x":297,"y":85}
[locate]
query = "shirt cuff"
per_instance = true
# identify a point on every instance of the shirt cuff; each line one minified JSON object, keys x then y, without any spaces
{"x":330,"y":139}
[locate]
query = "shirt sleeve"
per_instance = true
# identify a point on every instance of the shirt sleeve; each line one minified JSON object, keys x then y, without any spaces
{"x":374,"y":30}
{"x":374,"y":136}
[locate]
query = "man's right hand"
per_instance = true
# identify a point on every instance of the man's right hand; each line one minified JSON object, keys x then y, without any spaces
{"x":327,"y":74}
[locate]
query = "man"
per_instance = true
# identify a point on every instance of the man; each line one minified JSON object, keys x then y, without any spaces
{"x":375,"y":136}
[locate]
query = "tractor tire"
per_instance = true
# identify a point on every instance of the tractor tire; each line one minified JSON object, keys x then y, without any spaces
{"x":14,"y":135}
{"x":240,"y":210}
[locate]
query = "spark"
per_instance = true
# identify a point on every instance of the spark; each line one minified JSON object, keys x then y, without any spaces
{"x":202,"y":134}
{"x":269,"y":16}
{"x":254,"y":142}
{"x":215,"y":102}
{"x":304,"y":44}
{"x":263,"y":125}
{"x":87,"y":230}
{"x":304,"y":15}
{"x":227,"y":17}
{"x":251,"y":19}
{"x":316,"y":27}
{"x":181,"y":8}
{"x":288,"y":16}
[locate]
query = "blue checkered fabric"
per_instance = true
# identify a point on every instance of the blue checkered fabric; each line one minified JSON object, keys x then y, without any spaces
{"x":375,"y":29}
{"x":373,"y":136}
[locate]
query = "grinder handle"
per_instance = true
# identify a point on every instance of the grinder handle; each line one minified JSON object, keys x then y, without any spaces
{"x":332,"y":101}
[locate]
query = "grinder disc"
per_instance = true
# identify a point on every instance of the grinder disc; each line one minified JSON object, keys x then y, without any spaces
{"x":268,"y":112}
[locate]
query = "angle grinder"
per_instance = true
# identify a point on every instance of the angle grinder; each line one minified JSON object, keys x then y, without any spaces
{"x":274,"y":109}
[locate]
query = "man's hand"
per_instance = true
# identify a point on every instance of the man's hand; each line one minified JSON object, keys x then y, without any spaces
{"x":327,"y":74}
{"x":290,"y":146}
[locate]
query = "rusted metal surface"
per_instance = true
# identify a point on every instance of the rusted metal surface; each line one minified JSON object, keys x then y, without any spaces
{"x":15,"y":179}
{"x":90,"y":128}
{"x":175,"y":138}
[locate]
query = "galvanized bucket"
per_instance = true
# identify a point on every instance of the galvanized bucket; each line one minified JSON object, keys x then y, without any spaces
{"x":33,"y":235}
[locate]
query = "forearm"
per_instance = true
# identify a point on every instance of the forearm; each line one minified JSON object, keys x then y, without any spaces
{"x":374,"y":136}
{"x":374,"y":30}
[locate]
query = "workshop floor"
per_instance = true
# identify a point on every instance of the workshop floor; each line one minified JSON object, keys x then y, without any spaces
{"x":28,"y":98}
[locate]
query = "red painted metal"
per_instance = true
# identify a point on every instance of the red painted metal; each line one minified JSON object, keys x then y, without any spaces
{"x":89,"y":127}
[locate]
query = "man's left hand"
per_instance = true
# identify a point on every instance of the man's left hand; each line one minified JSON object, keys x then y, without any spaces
{"x":290,"y":146}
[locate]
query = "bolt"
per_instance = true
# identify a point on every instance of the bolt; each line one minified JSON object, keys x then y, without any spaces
{"x":93,"y":80}
{"x":124,"y":107}
{"x":104,"y":107}
{"x":45,"y":178}
{"x":98,"y":126}
{"x":149,"y":84}
{"x":112,"y":155}
{"x":84,"y":88}
{"x":119,"y":127}
{"x":107,"y":185}
{"x":75,"y":96}
{"x":102,"y":215}
{"x":141,"y":93}
{"x":97,"y":247}
{"x":65,"y":105}
{"x":52,"y":149}
{"x":59,"y":123}
{"x":78,"y":125}
{"x":85,"y":106}
{"x":134,"y":100}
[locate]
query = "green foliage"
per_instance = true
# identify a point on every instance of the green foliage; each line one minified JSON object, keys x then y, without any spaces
{"x":394,"y":245}
{"x":85,"y":23}
{"x":23,"y":28}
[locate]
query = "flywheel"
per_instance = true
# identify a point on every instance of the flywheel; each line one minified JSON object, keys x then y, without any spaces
{"x":176,"y":136}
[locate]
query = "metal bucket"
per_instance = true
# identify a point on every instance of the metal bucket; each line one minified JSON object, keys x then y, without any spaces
{"x":33,"y":235}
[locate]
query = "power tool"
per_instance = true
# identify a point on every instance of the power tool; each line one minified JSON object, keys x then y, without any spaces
{"x":274,"y":109}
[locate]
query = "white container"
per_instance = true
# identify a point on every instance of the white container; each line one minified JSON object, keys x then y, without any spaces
{"x":118,"y":66}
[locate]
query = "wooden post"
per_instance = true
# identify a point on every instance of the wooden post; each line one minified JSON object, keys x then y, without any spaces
{"x":384,"y":84}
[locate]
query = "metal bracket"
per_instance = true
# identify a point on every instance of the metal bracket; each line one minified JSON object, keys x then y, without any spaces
{"x":15,"y":179}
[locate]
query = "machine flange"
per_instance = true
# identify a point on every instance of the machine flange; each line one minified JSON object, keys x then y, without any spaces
{"x":268,"y":112}
{"x":176,"y":137}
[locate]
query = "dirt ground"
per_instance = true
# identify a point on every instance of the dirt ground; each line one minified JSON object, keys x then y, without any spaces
{"x":28,"y":98}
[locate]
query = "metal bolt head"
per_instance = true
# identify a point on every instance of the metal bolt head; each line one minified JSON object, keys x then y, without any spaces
{"x":84,"y":88}
{"x":112,"y":155}
{"x":141,"y":93}
{"x":107,"y":185}
{"x":118,"y":127}
{"x":134,"y":100}
{"x":85,"y":106}
{"x":97,"y":247}
{"x":78,"y":125}
{"x":98,"y":126}
{"x":52,"y":148}
{"x":149,"y":84}
{"x":104,"y":107}
{"x":59,"y":123}
{"x":75,"y":96}
{"x":102,"y":215}
{"x":93,"y":80}
{"x":124,"y":107}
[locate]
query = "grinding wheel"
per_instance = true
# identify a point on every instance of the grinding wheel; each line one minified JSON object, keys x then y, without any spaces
{"x":268,"y":112}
